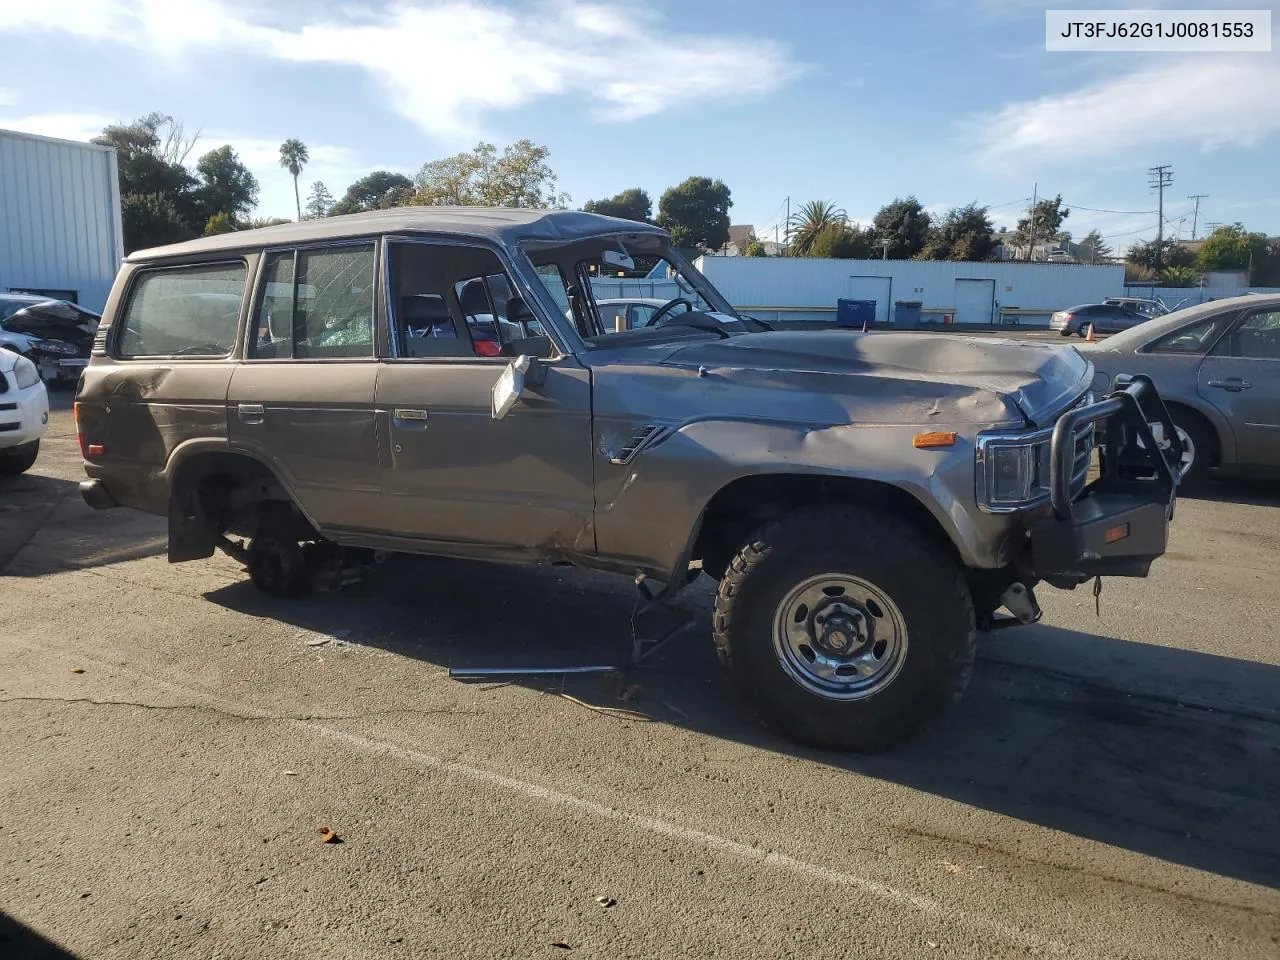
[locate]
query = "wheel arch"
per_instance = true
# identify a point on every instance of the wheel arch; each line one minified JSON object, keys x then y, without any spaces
{"x":747,"y":501}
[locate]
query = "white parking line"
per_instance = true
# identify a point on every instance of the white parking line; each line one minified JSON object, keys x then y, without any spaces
{"x":551,"y":796}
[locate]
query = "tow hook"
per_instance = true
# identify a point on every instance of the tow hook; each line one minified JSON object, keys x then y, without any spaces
{"x":1020,"y":600}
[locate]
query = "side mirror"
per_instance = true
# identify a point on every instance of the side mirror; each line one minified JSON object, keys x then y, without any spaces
{"x":509,"y":387}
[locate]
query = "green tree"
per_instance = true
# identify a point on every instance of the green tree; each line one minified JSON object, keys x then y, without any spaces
{"x":807,"y":223}
{"x":293,"y":157}
{"x":1231,"y":248}
{"x":152,"y":220}
{"x":1180,"y":277}
{"x":752,"y":247}
{"x":965,"y":233}
{"x":1094,"y":247}
{"x":1042,"y":224}
{"x":632,"y":204}
{"x":157,"y":193}
{"x":904,"y":225}
{"x":220,"y":222}
{"x":696,"y":213}
{"x":369,"y":192}
{"x":841,"y":241}
{"x":319,"y":201}
{"x":518,"y":177}
{"x":1156,"y":255}
{"x":226,"y":185}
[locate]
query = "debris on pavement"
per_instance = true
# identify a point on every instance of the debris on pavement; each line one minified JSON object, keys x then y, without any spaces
{"x":561,"y":945}
{"x":77,"y":669}
{"x":606,"y":902}
{"x":327,"y":835}
{"x":291,"y":773}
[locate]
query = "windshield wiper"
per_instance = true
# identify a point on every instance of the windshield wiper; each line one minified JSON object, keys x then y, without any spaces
{"x":696,"y":321}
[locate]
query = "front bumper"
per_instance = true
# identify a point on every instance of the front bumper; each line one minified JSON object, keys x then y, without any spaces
{"x":1119,"y":523}
{"x":24,"y":415}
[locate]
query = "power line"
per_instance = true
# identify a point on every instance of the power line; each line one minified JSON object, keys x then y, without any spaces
{"x":1076,"y":206}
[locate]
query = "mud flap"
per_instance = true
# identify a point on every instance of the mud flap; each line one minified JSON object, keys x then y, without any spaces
{"x":191,"y":535}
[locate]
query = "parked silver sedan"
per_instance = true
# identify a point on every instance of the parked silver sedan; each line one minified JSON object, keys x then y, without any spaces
{"x":1217,"y":366}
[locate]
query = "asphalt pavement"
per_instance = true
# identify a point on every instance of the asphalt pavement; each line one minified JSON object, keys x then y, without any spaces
{"x":174,"y":742}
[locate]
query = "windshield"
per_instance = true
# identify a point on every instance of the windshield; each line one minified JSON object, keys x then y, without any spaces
{"x":631,"y":285}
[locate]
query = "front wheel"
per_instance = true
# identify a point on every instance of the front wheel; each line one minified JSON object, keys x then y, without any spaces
{"x":845,"y":627}
{"x":19,"y":459}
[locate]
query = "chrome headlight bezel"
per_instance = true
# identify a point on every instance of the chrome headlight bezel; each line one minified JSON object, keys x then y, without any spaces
{"x":1030,"y":453}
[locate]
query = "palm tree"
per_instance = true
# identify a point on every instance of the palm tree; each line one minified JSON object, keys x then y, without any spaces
{"x":293,"y":157}
{"x":809,"y":221}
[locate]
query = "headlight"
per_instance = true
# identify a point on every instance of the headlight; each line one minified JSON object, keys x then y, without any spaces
{"x":55,"y":346}
{"x":1012,"y":470}
{"x":25,"y":373}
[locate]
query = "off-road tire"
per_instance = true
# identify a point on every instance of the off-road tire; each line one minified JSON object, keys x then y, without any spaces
{"x":276,"y":560}
{"x":885,"y":550}
{"x":18,"y":460}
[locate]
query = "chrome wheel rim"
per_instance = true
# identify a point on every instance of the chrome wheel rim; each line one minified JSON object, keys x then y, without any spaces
{"x":839,"y":637}
{"x":1188,"y":446}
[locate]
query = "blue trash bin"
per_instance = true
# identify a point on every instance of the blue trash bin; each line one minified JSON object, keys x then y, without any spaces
{"x":906,"y":314}
{"x":854,"y":313}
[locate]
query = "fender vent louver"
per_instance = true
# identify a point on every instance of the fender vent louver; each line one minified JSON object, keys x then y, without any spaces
{"x":645,"y":436}
{"x":100,"y":341}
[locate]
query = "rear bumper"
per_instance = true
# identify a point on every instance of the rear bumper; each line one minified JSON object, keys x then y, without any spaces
{"x":96,"y":495}
{"x":1119,"y":523}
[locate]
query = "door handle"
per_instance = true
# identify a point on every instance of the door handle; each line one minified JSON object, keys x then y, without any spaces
{"x":409,"y":419}
{"x":1232,"y":384}
{"x":251,"y":412}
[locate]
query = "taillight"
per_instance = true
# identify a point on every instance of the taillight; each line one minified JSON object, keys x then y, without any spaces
{"x":75,"y":412}
{"x":487,"y":348}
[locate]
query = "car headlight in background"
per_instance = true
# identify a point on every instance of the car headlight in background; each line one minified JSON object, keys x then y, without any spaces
{"x":25,"y":373}
{"x":55,"y":346}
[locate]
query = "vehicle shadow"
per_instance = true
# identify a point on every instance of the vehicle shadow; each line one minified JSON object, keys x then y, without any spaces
{"x":20,"y":942}
{"x":1179,"y":759}
{"x":1258,"y":491}
{"x":45,"y":527}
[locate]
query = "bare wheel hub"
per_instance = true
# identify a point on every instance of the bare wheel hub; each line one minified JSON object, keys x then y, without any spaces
{"x":839,"y":636}
{"x":842,"y":630}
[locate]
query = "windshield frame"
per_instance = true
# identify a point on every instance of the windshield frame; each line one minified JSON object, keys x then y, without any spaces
{"x":537,"y":253}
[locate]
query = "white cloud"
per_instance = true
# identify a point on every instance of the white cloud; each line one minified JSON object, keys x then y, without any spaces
{"x":446,"y":63}
{"x":1208,"y":102}
{"x":64,"y":126}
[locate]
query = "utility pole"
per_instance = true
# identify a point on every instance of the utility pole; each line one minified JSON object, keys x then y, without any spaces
{"x":1031,"y":250}
{"x":787,"y":233}
{"x":1195,"y":216}
{"x":1159,"y":177}
{"x":1212,"y":225}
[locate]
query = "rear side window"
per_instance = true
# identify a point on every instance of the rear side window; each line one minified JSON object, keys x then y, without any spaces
{"x":1195,"y":339}
{"x":183,"y":312}
{"x":316,"y":304}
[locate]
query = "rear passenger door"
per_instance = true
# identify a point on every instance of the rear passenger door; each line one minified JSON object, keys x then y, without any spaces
{"x":302,"y":400}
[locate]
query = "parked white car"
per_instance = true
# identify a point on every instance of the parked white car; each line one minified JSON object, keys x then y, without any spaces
{"x":24,"y":413}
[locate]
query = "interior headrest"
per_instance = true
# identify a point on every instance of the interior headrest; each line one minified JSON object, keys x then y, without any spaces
{"x":424,"y":310}
{"x":473,"y":298}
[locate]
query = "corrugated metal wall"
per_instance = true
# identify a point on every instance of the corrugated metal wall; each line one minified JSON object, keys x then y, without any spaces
{"x":785,"y":288}
{"x":59,"y":217}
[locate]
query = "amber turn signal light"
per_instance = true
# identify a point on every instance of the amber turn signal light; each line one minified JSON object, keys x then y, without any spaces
{"x":927,"y":441}
{"x":1116,"y":534}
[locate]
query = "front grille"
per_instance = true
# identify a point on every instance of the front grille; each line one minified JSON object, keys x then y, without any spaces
{"x":8,"y":406}
{"x":8,"y":427}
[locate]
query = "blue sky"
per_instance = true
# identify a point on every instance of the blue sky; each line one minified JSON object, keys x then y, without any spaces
{"x":952,"y":100}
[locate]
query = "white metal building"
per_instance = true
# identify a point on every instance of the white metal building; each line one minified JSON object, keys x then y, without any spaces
{"x":60,"y":229}
{"x":784,"y":288}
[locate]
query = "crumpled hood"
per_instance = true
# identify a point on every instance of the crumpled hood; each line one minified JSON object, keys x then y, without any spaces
{"x":901,"y":377}
{"x":55,"y":320}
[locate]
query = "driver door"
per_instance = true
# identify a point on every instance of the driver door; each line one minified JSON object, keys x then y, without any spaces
{"x":456,"y":477}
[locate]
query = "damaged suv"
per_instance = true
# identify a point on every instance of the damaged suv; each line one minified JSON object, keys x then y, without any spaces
{"x":440,"y":381}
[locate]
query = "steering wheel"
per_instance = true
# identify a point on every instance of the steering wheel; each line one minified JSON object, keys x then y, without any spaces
{"x":662,"y":311}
